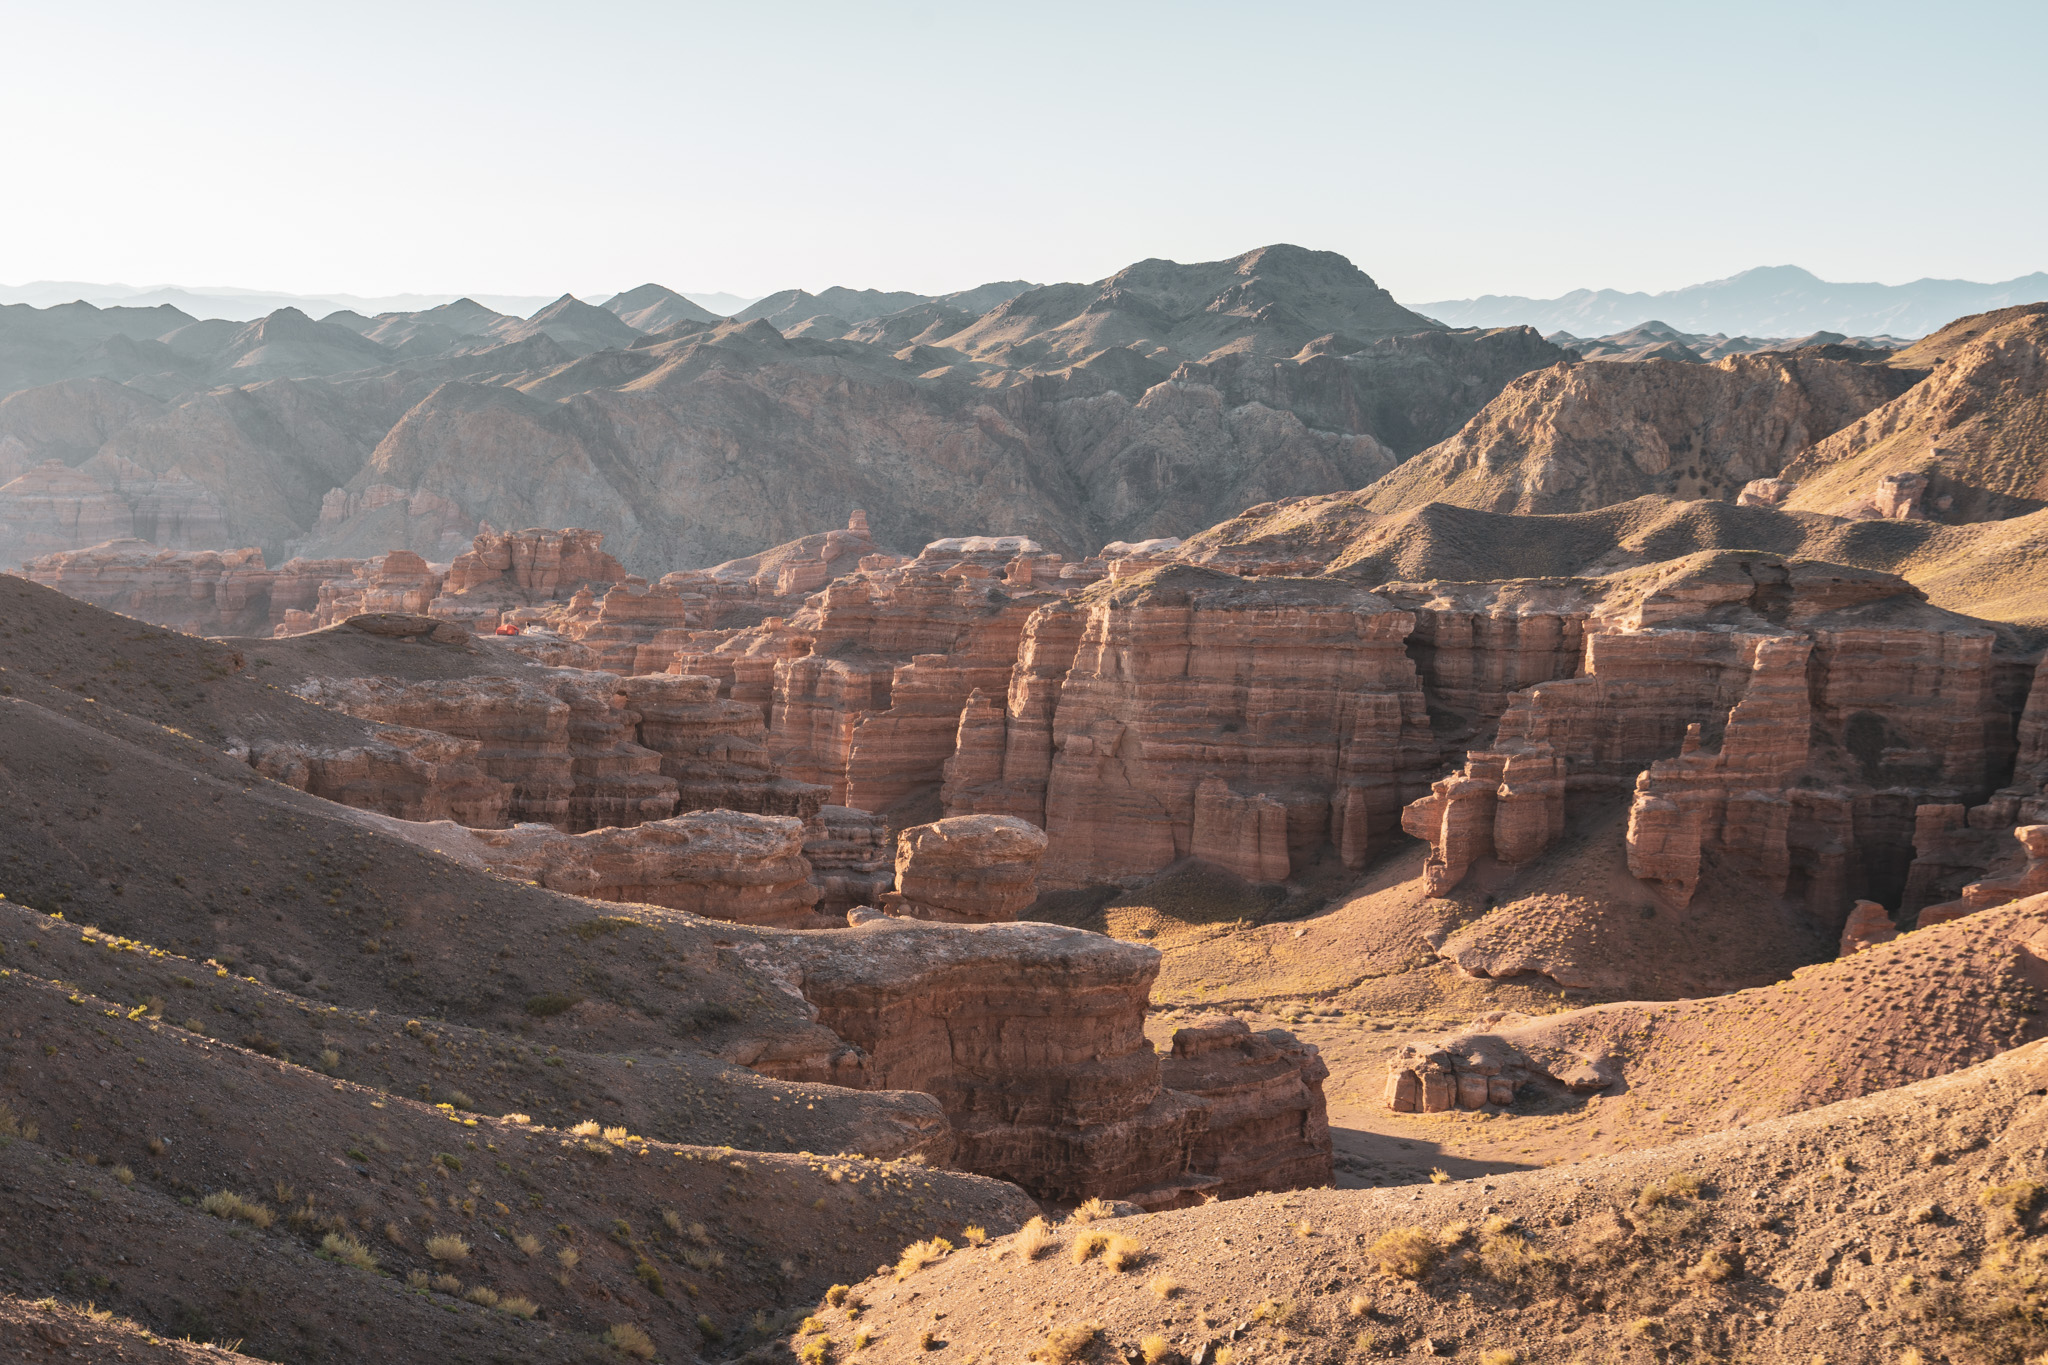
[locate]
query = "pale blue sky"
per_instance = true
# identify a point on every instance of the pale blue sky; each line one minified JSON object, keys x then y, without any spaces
{"x":1450,"y":150}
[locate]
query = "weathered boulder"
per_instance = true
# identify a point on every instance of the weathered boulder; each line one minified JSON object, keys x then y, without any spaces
{"x":1869,"y":924}
{"x":718,"y":863}
{"x":966,"y":869}
{"x":1266,"y":1125}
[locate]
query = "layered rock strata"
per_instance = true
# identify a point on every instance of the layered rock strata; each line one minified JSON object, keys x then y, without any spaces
{"x":968,"y":869}
{"x":405,"y":773}
{"x":2028,"y":880}
{"x":717,"y":863}
{"x":1265,"y":1123}
{"x":1032,"y":1038}
{"x":200,"y":592}
{"x":1198,"y":702}
{"x":1785,"y":722}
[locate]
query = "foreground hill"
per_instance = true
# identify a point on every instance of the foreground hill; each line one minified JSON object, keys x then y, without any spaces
{"x":1901,"y":1225}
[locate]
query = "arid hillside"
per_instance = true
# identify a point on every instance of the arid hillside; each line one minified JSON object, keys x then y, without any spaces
{"x":1148,"y":404}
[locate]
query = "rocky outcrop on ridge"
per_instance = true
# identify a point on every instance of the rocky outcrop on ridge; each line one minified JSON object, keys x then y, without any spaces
{"x":721,"y":864}
{"x":968,"y":869}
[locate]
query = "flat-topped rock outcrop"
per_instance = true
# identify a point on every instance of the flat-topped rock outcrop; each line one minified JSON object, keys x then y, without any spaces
{"x":967,"y":869}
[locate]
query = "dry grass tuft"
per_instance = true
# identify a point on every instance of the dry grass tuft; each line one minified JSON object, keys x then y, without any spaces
{"x":528,"y":1244}
{"x":1163,"y":1287}
{"x":918,"y":1255}
{"x":226,"y":1204}
{"x":1154,"y":1348}
{"x":348,"y":1251}
{"x":1086,"y":1244}
{"x":12,"y":1127}
{"x":1033,"y":1239}
{"x":1064,"y":1345}
{"x":974,"y":1235}
{"x":1500,"y":1355}
{"x":1439,"y":1176}
{"x":567,"y":1258}
{"x":1718,"y":1264}
{"x":519,"y":1306}
{"x":1407,"y":1252}
{"x":1276,"y":1312}
{"x":447,"y":1247}
{"x":836,"y":1295}
{"x":1123,"y":1252}
{"x":483,"y":1295}
{"x":629,"y":1340}
{"x":1359,"y":1306}
{"x":1091,"y":1211}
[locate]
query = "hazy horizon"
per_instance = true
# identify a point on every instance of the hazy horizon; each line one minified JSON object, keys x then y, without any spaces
{"x":527,"y":149}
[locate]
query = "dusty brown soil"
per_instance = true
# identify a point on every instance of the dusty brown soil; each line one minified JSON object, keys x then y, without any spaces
{"x":52,"y":1330}
{"x":1908,"y":1219}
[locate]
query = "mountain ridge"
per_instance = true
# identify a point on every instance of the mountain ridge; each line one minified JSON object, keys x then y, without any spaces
{"x":1781,"y":301}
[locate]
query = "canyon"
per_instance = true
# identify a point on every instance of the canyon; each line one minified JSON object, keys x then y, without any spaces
{"x":1628,"y":752}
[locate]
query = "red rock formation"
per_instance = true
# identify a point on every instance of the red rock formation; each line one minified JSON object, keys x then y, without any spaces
{"x":295,"y":592}
{"x":523,"y":729}
{"x":201,"y":592}
{"x":850,"y":858}
{"x":1265,"y":1123}
{"x":2030,"y":880}
{"x":1477,"y":644}
{"x":614,"y":779}
{"x":711,"y":748}
{"x":409,"y":774}
{"x":1003,"y":753}
{"x":969,"y":869}
{"x":1507,"y":804}
{"x":718,"y":863}
{"x":1032,"y":1038}
{"x":503,"y":571}
{"x":1296,"y":691}
{"x":1466,"y":1072}
{"x":53,"y":508}
{"x":396,"y":582}
{"x":1783,"y":718}
{"x":1869,"y":924}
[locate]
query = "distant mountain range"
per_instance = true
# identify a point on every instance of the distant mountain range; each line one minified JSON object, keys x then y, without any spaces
{"x":1770,"y":301}
{"x":246,"y":305}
